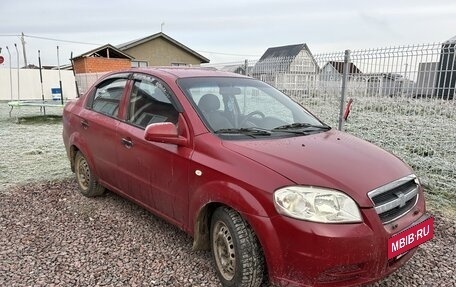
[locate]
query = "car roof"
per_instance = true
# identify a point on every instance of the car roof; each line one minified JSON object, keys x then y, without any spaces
{"x":186,"y":72}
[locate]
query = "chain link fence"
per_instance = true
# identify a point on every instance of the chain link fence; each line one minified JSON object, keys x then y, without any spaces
{"x":400,"y":98}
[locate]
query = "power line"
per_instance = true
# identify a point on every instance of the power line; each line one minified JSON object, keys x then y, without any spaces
{"x":87,"y":43}
{"x":60,"y":40}
{"x":227,"y":54}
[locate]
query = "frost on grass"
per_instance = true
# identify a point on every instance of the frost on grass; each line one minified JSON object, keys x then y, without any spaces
{"x":31,"y":150}
{"x":419,"y":131}
{"x":422,"y":132}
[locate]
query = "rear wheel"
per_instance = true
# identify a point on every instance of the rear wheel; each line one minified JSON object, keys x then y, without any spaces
{"x":237,"y":253}
{"x":88,"y":186}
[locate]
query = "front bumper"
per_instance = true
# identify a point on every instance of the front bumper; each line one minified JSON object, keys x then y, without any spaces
{"x":301,"y":253}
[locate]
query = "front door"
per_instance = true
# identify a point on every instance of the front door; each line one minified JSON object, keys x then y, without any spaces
{"x":154,"y":174}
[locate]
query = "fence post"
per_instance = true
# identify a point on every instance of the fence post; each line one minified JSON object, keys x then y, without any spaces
{"x":18,"y":68}
{"x":344,"y":88}
{"x":11,"y":77}
{"x":246,"y":66}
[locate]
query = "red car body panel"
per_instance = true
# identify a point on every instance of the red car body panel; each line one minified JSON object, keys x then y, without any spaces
{"x":178,"y":181}
{"x":308,"y":254}
{"x":100,"y":135}
{"x":332,"y":159}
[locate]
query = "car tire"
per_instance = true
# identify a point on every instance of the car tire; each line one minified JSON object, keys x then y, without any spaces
{"x":87,"y":184}
{"x":235,"y":249}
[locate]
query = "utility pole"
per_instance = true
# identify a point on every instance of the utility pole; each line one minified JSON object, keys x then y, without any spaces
{"x":23,"y":49}
{"x":161,"y":26}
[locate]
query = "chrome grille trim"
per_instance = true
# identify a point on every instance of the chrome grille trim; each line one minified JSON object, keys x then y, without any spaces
{"x":399,"y":199}
{"x":391,"y":185}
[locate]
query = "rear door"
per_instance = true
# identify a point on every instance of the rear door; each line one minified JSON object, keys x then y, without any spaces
{"x":98,"y":125}
{"x":154,"y":174}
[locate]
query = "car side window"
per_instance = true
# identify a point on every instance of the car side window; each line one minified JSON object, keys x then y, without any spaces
{"x":150,"y":102}
{"x":106,"y":99}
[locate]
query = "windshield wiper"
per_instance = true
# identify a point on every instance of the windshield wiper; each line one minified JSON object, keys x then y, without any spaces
{"x":300,"y":128}
{"x":245,"y":131}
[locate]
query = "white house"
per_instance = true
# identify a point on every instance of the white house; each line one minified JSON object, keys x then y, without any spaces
{"x":331,"y":75}
{"x":289,"y":68}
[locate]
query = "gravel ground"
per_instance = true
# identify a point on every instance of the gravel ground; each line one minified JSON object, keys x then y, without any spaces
{"x":50,"y":235}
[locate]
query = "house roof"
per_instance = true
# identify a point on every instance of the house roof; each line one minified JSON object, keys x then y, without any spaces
{"x":390,"y":76}
{"x":236,"y":68}
{"x":105,"y":51}
{"x":339,"y":66}
{"x":279,"y":59}
{"x":450,"y":41}
{"x":283,"y":51}
{"x":62,"y":67}
{"x":137,"y":42}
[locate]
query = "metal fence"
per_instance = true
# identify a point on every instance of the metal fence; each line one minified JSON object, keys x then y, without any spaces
{"x":400,"y":98}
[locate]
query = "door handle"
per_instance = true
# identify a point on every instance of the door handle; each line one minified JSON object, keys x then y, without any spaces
{"x":127,"y":142}
{"x":84,"y":124}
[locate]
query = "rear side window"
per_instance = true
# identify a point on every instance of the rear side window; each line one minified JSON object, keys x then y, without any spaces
{"x":150,"y":102}
{"x":106,"y":99}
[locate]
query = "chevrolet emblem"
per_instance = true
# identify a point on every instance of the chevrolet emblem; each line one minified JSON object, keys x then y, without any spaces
{"x":402,"y":199}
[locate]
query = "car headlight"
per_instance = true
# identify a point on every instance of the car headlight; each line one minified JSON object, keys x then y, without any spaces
{"x":316,"y":204}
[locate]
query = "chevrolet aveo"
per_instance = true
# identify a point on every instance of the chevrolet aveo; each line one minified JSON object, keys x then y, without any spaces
{"x":273,"y":192}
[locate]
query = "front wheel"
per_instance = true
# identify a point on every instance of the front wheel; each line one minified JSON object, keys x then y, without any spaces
{"x":88,"y":186}
{"x":237,"y":253}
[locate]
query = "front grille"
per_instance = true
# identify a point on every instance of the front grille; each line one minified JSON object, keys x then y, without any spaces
{"x":391,"y":194}
{"x":395,"y":199}
{"x":392,"y":214}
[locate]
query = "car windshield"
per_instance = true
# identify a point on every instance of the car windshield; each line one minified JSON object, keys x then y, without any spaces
{"x":230,"y":105}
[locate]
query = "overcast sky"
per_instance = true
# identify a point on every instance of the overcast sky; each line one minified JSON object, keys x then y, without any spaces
{"x":223,"y":31}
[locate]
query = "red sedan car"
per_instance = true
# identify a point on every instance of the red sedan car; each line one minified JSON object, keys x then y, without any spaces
{"x":250,"y":174}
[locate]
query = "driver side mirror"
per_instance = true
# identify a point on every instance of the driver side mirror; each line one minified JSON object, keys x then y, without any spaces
{"x":165,"y":133}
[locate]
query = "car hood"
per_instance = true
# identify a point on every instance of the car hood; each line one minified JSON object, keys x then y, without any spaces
{"x":329,"y":159}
